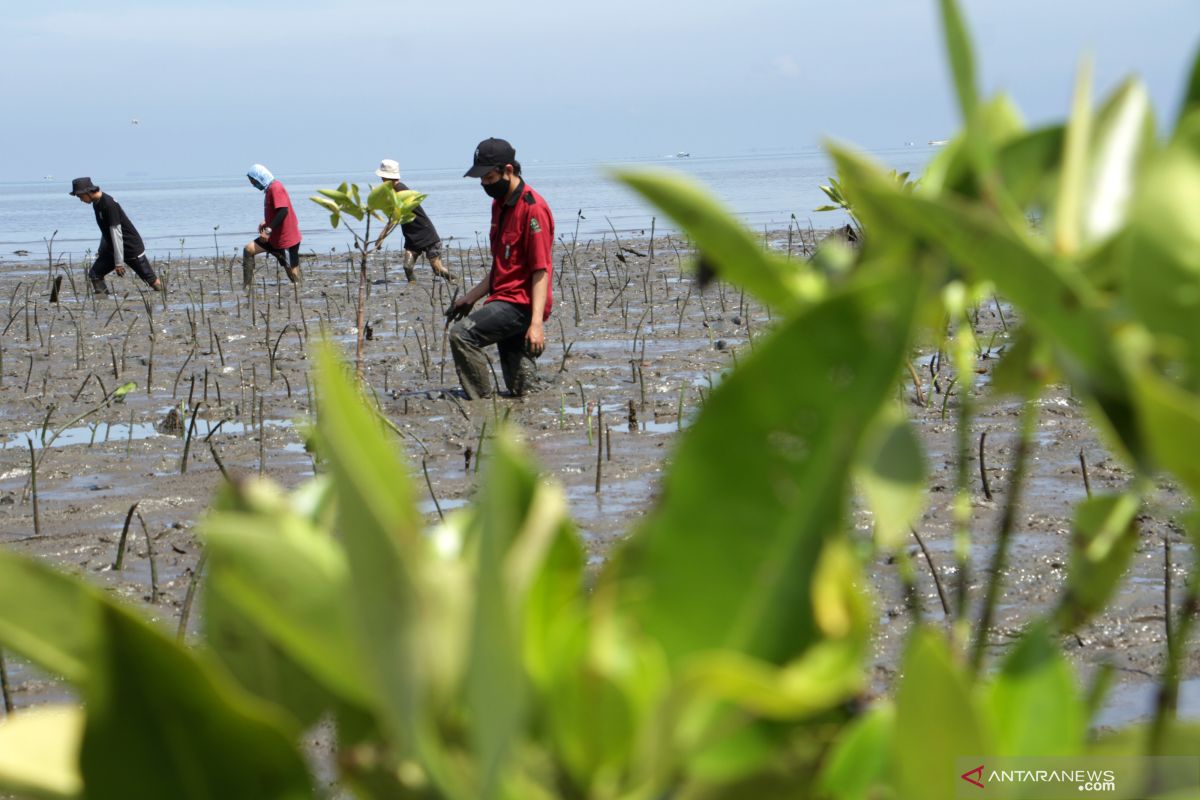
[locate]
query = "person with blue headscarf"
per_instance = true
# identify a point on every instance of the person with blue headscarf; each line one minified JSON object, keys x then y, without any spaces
{"x":278,"y":233}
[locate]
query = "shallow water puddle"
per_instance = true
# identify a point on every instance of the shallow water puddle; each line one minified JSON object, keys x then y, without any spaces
{"x":121,"y":432}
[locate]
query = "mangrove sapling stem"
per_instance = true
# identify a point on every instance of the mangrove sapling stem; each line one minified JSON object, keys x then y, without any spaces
{"x":28,"y":374}
{"x":933,"y":570}
{"x":908,"y":580}
{"x":946,"y":396}
{"x":150,"y":556}
{"x":983,"y":478}
{"x":916,"y":383}
{"x":599,"y":443}
{"x":432,"y":494}
{"x":262,"y":439}
{"x":179,"y":374}
{"x":46,"y":422}
{"x":1087,"y":483}
{"x":1167,"y":592}
{"x":1004,"y":534}
{"x":1000,"y":311}
{"x":5,"y":691}
{"x":37,"y":521}
{"x":112,"y":352}
{"x":187,"y":439}
{"x":119,"y":561}
{"x":150,"y":367}
{"x":608,"y":443}
{"x":479,"y":446}
{"x":190,"y":597}
{"x":1167,"y":699}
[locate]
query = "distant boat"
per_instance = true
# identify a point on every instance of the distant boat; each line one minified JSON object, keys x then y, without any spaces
{"x":682,"y":154}
{"x":938,"y":142}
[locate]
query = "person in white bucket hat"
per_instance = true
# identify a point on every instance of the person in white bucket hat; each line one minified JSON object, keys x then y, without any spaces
{"x":420,"y":237}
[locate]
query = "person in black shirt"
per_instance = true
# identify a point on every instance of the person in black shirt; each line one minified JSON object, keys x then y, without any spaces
{"x":120,"y":244}
{"x":420,"y":237}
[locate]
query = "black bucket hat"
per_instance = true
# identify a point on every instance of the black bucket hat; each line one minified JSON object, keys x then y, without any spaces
{"x":83,"y":186}
{"x":490,"y":154}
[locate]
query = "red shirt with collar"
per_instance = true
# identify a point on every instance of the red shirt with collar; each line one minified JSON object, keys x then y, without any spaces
{"x":522,"y":238}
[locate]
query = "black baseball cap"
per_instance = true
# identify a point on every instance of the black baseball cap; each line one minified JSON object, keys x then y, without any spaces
{"x":489,"y":155}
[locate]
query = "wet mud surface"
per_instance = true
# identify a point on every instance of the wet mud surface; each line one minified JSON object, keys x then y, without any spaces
{"x":633,"y":335}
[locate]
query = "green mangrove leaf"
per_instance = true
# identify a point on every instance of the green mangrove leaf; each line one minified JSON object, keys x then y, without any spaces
{"x":160,"y":723}
{"x":1191,"y":95}
{"x":337,"y":196}
{"x":1034,"y":702}
{"x":39,"y":752}
{"x":382,"y":198}
{"x":1171,"y":418}
{"x":293,"y":583}
{"x":891,"y":470}
{"x":1058,"y":302}
{"x":1103,"y":538}
{"x":734,"y":252}
{"x":759,"y":483}
{"x":1124,"y":126}
{"x":47,"y":617}
{"x":936,"y":720}
{"x":326,"y":203}
{"x":1029,"y":166}
{"x":380,"y":532}
{"x":1067,"y":223}
{"x":496,"y":688}
{"x":960,"y":56}
{"x":1162,"y":267}
{"x":861,"y":759}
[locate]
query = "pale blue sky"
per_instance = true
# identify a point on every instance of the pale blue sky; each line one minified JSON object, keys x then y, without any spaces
{"x":318,"y":86}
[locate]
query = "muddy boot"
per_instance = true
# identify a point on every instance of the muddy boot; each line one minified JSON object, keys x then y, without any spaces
{"x":441,"y":271}
{"x":247,"y":269}
{"x":410,"y":261}
{"x":99,"y":287}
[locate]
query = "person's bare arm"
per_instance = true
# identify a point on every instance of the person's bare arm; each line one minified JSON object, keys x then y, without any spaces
{"x":535,"y":337}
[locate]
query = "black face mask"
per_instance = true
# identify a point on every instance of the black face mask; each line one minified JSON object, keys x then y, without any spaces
{"x":497,"y":190}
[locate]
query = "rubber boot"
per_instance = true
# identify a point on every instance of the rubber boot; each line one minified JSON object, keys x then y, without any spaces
{"x":247,"y":269}
{"x":99,"y":287}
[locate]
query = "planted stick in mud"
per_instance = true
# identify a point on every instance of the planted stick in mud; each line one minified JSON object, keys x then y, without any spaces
{"x":262,"y":440}
{"x":1087,"y":483}
{"x":187,"y":440}
{"x":479,"y":446}
{"x":179,"y":374}
{"x":933,"y":570}
{"x":608,"y":443}
{"x":116,"y":372}
{"x":150,"y":367}
{"x":119,"y":561}
{"x":432,"y":494}
{"x":5,"y":691}
{"x":37,"y":522}
{"x":599,"y":442}
{"x":28,"y":374}
{"x":150,"y":556}
{"x":190,"y":597}
{"x":915,"y":379}
{"x":983,"y":478}
{"x":1007,"y":522}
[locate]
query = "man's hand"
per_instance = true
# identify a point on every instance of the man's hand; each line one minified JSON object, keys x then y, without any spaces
{"x":121,"y":270}
{"x":459,"y":308}
{"x":535,"y":339}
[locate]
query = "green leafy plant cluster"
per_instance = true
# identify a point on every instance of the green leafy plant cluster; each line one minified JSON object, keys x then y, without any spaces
{"x":385,"y":205}
{"x":720,"y":653}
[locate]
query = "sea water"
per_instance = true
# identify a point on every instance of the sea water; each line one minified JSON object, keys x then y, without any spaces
{"x":182,"y":217}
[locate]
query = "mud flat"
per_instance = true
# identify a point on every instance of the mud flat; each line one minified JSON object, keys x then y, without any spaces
{"x":632,"y":334}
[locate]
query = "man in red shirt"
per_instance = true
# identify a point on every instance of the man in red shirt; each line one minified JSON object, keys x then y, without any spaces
{"x":278,"y":233}
{"x":518,"y":287}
